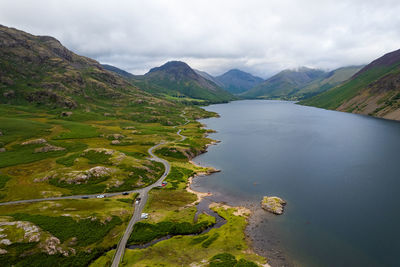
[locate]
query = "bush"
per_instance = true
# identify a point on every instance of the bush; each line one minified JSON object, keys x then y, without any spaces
{"x":171,"y":153}
{"x":86,"y":230}
{"x":228,"y":260}
{"x":93,"y":186}
{"x":209,"y":241}
{"x":57,"y":260}
{"x":97,"y":157}
{"x":223,"y":260}
{"x":199,"y":239}
{"x":68,"y":161}
{"x":3,"y":180}
{"x":178,"y":175}
{"x":245,"y":263}
{"x":145,"y":232}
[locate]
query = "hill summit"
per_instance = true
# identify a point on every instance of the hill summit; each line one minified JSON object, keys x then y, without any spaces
{"x":178,"y":79}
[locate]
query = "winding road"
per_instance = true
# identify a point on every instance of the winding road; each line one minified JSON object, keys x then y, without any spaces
{"x":143,"y":194}
{"x":153,"y":157}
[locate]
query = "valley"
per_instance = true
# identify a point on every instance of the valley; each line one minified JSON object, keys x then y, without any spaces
{"x":103,"y":167}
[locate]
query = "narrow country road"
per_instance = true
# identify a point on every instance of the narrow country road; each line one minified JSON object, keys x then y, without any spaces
{"x":143,"y":194}
{"x":95,"y":195}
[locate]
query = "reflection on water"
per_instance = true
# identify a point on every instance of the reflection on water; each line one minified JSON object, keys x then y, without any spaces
{"x":339,"y":173}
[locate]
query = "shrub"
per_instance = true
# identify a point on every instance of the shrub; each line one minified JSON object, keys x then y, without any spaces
{"x":97,"y":157}
{"x":209,"y":241}
{"x":223,"y":260}
{"x":145,"y":232}
{"x":86,"y":230}
{"x":68,"y":161}
{"x":3,"y":180}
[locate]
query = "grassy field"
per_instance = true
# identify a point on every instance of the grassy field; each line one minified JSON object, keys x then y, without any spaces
{"x":171,"y":212}
{"x":116,"y":144}
{"x":186,"y":250}
{"x":84,"y":229}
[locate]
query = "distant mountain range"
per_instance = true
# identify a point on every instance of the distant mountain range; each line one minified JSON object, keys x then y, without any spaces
{"x":374,"y":90}
{"x":178,"y":79}
{"x":299,"y":83}
{"x":41,"y":71}
{"x":237,"y":81}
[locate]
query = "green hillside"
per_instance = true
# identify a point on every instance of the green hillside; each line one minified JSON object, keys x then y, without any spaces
{"x":374,"y":90}
{"x":330,"y":80}
{"x":177,"y":81}
{"x":285,"y":84}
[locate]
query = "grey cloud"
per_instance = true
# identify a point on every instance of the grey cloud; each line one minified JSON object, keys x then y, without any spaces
{"x":258,"y":36}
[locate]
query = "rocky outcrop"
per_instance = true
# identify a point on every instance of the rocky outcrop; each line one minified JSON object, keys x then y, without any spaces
{"x":66,"y":113}
{"x":78,"y":177}
{"x":115,"y":142}
{"x":31,"y":233}
{"x":34,"y":142}
{"x":48,"y":148}
{"x":83,"y":177}
{"x":273,"y":204}
{"x":115,"y":136}
{"x":2,"y":149}
{"x":116,"y":156}
{"x":49,"y":96}
{"x":99,"y":171}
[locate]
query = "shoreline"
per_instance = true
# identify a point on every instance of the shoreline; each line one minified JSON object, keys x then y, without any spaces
{"x":240,"y":210}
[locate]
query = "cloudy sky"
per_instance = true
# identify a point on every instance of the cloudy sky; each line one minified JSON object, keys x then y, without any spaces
{"x":258,"y":36}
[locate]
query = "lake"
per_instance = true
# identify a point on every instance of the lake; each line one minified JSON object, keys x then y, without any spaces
{"x":339,"y":173}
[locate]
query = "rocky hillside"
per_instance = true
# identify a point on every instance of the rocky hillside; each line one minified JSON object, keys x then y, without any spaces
{"x":177,"y":79}
{"x":237,"y":81}
{"x":209,"y":77}
{"x":374,"y":90}
{"x":40,"y":70}
{"x":119,"y":71}
{"x":328,"y":81}
{"x":285,"y":84}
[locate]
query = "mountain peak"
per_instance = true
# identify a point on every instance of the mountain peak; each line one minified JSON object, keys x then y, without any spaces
{"x":172,"y":66}
{"x":177,"y":78}
{"x":237,"y":81}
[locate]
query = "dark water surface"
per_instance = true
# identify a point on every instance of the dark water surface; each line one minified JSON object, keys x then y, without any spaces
{"x":339,"y":173}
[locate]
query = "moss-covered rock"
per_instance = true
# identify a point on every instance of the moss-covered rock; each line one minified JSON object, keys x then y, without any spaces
{"x":273,"y":204}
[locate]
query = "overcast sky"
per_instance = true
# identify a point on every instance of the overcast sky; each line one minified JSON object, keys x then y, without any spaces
{"x":258,"y":36}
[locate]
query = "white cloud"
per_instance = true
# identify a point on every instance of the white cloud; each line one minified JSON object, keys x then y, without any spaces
{"x":258,"y":36}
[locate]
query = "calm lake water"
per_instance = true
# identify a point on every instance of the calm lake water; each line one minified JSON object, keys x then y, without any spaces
{"x":339,"y":173}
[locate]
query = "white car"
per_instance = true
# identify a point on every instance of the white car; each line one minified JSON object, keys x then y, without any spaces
{"x":144,"y":216}
{"x":100,"y":196}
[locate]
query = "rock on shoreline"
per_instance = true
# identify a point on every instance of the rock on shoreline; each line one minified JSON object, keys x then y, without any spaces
{"x":273,"y":204}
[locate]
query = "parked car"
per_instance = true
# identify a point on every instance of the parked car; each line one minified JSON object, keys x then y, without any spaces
{"x":164,"y":183}
{"x":125,"y":193}
{"x":144,"y":216}
{"x":137,"y":202}
{"x":85,"y":197}
{"x":101,"y":196}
